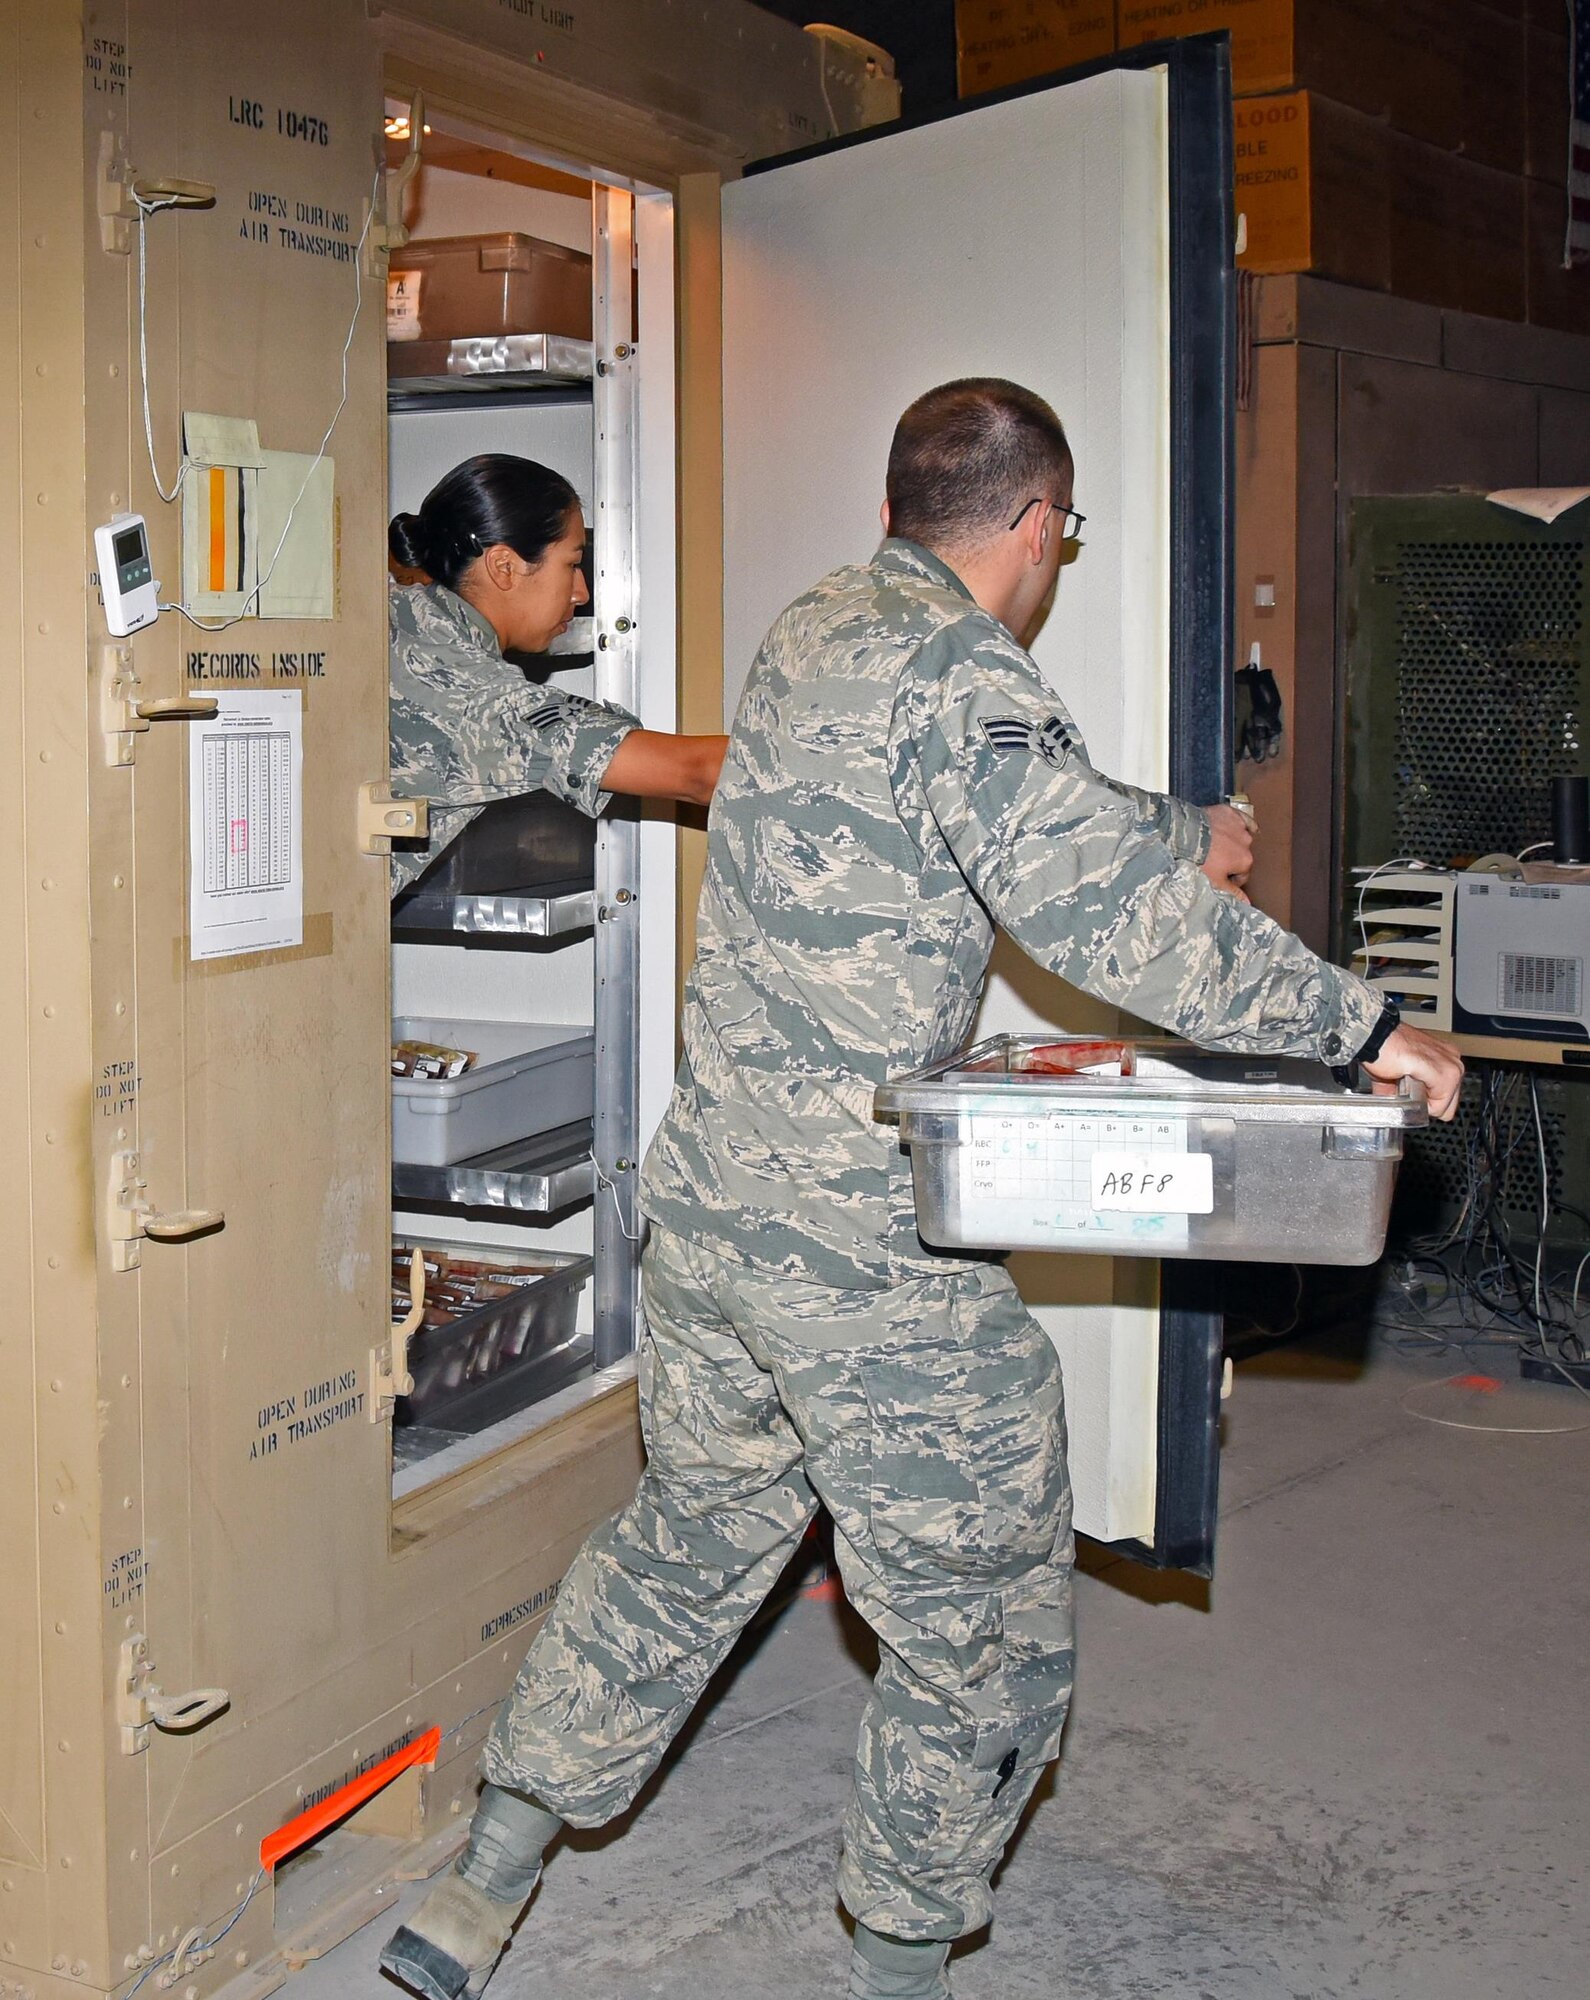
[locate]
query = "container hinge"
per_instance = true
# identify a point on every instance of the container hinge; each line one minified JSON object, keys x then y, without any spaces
{"x":115,"y":197}
{"x":130,"y":1216}
{"x":141,"y":1705}
{"x":383,"y":818}
{"x":124,"y":712}
{"x":389,"y":1365}
{"x":391,"y":233}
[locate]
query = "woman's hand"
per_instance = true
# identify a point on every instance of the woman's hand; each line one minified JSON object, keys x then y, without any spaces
{"x":1229,"y":861}
{"x":651,"y":764}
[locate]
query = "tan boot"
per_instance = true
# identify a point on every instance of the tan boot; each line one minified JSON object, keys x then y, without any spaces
{"x":452,"y":1946}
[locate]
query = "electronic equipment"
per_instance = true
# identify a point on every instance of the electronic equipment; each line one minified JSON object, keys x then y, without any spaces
{"x":1519,"y":951}
{"x":126,"y":577}
{"x":1498,"y":950}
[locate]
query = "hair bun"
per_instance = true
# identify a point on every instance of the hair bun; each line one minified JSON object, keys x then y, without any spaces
{"x":409,"y":543}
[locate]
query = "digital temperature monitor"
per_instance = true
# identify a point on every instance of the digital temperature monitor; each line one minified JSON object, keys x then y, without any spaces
{"x":126,"y":578}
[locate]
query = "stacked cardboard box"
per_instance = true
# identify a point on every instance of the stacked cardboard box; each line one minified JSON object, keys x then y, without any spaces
{"x":1417,"y":147}
{"x":1557,"y":295}
{"x":1008,"y":41}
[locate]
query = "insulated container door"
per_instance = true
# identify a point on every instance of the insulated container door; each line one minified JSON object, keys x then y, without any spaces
{"x":1077,"y":239}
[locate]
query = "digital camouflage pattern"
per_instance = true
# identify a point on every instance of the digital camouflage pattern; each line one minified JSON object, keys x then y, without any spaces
{"x":467,"y":727}
{"x":900,"y":777}
{"x":928,"y":1421}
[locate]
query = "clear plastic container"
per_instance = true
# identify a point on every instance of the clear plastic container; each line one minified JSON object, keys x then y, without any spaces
{"x":1149,"y":1148}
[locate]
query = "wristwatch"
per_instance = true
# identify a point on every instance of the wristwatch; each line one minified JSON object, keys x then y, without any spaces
{"x":1380,"y":1033}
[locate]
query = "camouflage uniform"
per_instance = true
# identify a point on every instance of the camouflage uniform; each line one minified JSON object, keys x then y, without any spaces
{"x":467,"y":727}
{"x":927,"y":1420}
{"x":900,"y":777}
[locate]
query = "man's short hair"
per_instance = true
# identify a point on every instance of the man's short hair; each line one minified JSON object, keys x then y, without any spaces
{"x":967,"y":455}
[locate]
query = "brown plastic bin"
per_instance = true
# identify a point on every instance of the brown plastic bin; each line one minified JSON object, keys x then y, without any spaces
{"x":503,"y":283}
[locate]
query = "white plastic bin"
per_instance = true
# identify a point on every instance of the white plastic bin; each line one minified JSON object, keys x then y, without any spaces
{"x":526,"y":1079}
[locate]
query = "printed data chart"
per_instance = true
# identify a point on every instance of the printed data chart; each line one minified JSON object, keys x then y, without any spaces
{"x":248,"y":809}
{"x":1027,"y":1179}
{"x":245,"y":824}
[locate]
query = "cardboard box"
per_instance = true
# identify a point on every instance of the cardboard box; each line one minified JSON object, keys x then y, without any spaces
{"x":1336,"y":47}
{"x":1546,"y":106}
{"x":1449,"y":72}
{"x":998,"y":42}
{"x":1457,"y":232}
{"x":1556,"y":296}
{"x":1314,"y":185}
{"x":1492,"y":53}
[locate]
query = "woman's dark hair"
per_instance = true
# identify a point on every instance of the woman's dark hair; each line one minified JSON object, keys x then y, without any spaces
{"x":488,"y":499}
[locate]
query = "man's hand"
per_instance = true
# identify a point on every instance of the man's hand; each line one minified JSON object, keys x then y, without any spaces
{"x":1430,"y":1058}
{"x":1230,"y":858}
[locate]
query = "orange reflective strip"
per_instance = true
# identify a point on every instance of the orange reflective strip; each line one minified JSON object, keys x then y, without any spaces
{"x":301,"y":1831}
{"x":217,"y":527}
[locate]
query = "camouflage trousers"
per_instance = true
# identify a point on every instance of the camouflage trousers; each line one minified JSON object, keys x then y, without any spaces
{"x":928,"y":1420}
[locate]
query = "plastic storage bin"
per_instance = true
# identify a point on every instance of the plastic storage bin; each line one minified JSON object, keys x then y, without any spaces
{"x":526,"y":1079}
{"x":497,"y":1355}
{"x":1250,"y":1158}
{"x":502,"y":283}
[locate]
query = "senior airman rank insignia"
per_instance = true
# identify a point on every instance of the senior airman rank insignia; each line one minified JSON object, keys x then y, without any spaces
{"x":1049,"y":740}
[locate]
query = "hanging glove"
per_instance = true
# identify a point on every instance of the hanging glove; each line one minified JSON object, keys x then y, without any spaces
{"x":1259,"y":722}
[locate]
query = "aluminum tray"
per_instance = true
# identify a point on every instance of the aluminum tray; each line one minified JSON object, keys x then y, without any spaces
{"x":1254,"y":1159}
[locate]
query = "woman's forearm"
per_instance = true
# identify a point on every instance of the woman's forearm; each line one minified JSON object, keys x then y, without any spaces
{"x":653,"y":765}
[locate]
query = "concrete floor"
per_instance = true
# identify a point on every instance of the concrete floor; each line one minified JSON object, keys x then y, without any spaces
{"x":1357,"y":1766}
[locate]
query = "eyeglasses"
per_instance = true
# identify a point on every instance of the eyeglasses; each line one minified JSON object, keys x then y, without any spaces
{"x":1070,"y":520}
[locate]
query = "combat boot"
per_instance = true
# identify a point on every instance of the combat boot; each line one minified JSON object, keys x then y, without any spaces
{"x":451,"y":1946}
{"x":885,"y":1968}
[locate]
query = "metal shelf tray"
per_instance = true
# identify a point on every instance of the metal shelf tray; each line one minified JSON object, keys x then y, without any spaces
{"x":539,"y":1176}
{"x":498,"y":916}
{"x":487,"y":364}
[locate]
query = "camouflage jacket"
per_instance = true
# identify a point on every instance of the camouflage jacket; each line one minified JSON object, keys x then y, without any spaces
{"x":467,"y":727}
{"x":899,"y":779}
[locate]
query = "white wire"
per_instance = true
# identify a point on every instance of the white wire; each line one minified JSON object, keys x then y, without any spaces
{"x":822,"y":83}
{"x":1585,"y":1259}
{"x":145,"y":210}
{"x":1401,"y":861}
{"x":1493,"y":1430}
{"x":1533,"y":848}
{"x":1545,"y":1198}
{"x":202,"y":1944}
{"x":336,"y":416}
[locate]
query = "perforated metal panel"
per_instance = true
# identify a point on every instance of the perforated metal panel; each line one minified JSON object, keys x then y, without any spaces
{"x":1435,"y":1173}
{"x":1468,"y":682}
{"x":1488,"y":691}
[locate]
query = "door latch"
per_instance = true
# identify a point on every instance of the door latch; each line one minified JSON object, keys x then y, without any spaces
{"x":383,"y":818}
{"x":118,"y":191}
{"x":124,"y":710}
{"x":389,"y":1365}
{"x":130,"y":1215}
{"x":388,"y":231}
{"x":141,"y":1705}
